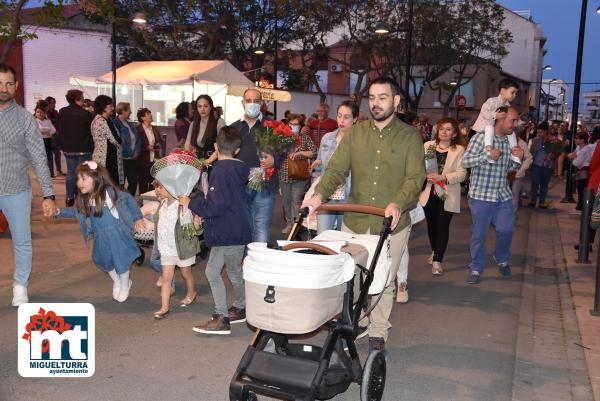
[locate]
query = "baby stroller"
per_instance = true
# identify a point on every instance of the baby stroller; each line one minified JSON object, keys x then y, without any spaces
{"x":274,"y":366}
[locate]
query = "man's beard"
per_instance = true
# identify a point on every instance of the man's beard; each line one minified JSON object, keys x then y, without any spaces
{"x":6,"y":97}
{"x":384,"y":116}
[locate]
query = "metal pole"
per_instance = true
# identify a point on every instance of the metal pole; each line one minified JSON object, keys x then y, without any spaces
{"x":568,"y":198}
{"x":539,"y":105}
{"x":408,"y":54}
{"x":584,"y":226}
{"x":275,"y":62}
{"x":547,"y":102}
{"x":596,"y":310}
{"x":113,"y":39}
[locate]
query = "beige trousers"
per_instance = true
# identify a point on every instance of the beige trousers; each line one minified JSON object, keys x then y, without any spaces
{"x":379,"y":320}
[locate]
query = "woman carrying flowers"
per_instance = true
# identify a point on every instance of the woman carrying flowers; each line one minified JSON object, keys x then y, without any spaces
{"x":441,"y":197}
{"x":545,"y":149}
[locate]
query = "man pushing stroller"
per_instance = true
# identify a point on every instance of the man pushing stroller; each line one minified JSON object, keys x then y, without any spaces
{"x":396,"y":173}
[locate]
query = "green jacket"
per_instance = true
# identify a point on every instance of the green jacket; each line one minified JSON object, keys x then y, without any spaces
{"x":387,"y":166}
{"x":186,"y":247}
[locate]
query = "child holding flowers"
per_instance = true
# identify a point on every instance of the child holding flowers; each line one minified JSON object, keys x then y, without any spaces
{"x":175,"y":229}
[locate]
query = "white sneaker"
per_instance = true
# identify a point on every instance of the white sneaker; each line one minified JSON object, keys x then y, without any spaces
{"x":430,"y":259}
{"x":402,"y":293}
{"x":436,"y":269}
{"x":124,"y":293}
{"x":19,"y":295}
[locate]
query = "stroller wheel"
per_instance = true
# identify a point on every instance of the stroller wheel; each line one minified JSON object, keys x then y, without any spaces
{"x":373,"y":378}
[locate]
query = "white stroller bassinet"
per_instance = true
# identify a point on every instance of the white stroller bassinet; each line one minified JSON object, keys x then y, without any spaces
{"x":295,"y":293}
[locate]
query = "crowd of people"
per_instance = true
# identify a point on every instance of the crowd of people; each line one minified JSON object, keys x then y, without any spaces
{"x":398,"y":162}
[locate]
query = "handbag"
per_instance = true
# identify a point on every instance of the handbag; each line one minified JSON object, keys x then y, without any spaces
{"x":298,"y":169}
{"x":595,"y":219}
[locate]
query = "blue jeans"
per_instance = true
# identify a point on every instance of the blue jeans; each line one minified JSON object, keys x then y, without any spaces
{"x":540,"y":178}
{"x":71,"y":180}
{"x":17,"y":209}
{"x":502,"y":216}
{"x":330,"y":220}
{"x":260,"y":213}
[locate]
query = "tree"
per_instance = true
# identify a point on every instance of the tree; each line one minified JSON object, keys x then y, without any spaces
{"x":11,"y":21}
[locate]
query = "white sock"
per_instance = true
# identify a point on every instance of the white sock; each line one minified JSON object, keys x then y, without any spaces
{"x":124,"y":277}
{"x":113,"y":274}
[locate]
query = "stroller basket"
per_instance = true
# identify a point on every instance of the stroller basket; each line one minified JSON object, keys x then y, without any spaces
{"x":292,"y":292}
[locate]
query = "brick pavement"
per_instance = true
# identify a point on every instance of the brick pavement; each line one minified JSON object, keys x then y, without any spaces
{"x":550,"y":361}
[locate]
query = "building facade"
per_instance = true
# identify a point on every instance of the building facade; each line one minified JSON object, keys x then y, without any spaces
{"x":591,"y":111}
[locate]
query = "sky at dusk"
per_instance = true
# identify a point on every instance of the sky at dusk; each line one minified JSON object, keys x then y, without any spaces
{"x":560,"y":23}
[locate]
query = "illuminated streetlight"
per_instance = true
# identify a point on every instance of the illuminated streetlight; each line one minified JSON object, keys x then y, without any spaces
{"x":547,"y":67}
{"x":139,"y":18}
{"x":259,"y":50}
{"x":382,"y":28}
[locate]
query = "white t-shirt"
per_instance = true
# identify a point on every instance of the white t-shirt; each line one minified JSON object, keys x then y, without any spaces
{"x":165,"y":235}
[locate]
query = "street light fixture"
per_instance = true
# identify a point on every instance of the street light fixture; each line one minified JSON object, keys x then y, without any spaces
{"x":139,"y":18}
{"x":259,"y":50}
{"x":382,"y":28}
{"x":598,"y":10}
{"x":547,"y":67}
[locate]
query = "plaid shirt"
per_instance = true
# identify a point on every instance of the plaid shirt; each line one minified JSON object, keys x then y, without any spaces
{"x":488,"y":178}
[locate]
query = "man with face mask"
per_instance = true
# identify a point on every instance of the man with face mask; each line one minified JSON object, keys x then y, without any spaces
{"x":385,"y":157}
{"x":260,"y":203}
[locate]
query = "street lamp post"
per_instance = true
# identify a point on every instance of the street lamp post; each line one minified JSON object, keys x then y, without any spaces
{"x":568,"y":198}
{"x":547,"y":67}
{"x":383,"y":28}
{"x":548,"y":97}
{"x":140,"y":19}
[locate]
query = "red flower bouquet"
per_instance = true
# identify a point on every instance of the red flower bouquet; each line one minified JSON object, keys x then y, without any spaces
{"x":275,"y":137}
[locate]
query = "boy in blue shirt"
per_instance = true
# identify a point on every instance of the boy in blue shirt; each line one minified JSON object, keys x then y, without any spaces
{"x":226,"y":230}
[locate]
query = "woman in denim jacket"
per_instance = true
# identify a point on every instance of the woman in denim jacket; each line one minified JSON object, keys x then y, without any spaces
{"x":347,"y":113}
{"x":131,"y":145}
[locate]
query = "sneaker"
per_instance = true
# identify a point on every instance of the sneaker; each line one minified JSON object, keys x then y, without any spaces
{"x":218,"y":324}
{"x":436,"y":269}
{"x":402,"y":294}
{"x":19,"y":295}
{"x":474,"y":277}
{"x":376,"y":344}
{"x":236,"y":315}
{"x":287,"y":229}
{"x":124,"y":293}
{"x":430,"y":259}
{"x":505,"y":270}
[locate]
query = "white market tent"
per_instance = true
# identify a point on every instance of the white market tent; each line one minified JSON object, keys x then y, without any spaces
{"x":161,"y":85}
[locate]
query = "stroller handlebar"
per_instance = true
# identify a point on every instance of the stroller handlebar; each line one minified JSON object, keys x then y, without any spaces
{"x":352,"y":208}
{"x":310,"y":245}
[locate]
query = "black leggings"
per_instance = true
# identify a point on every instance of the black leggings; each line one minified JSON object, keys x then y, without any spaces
{"x":438,"y":226}
{"x":48,"y":147}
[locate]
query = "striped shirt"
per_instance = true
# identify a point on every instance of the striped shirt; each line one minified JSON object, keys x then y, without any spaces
{"x":488,"y":177}
{"x":21,"y":144}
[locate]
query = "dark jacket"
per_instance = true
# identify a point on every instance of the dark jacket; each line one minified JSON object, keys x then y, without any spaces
{"x":74,"y":130}
{"x":249,"y":152}
{"x":224,"y":208}
{"x":144,"y":157}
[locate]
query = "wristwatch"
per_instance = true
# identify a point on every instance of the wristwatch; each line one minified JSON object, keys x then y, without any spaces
{"x":52,"y":197}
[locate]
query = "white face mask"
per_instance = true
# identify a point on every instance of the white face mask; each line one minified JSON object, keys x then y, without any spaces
{"x":252,"y":110}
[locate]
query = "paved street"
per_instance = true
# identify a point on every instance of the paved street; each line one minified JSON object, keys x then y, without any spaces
{"x":452,"y":341}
